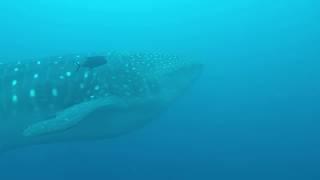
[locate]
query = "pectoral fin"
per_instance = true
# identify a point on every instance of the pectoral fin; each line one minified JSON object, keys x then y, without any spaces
{"x":67,"y":118}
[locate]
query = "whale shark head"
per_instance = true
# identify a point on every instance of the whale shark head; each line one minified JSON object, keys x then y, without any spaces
{"x":52,"y":100}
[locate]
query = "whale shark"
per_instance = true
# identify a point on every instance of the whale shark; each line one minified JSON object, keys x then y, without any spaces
{"x":50,"y":100}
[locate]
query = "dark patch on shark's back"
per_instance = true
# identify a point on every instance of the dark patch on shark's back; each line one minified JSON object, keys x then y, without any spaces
{"x":93,"y":62}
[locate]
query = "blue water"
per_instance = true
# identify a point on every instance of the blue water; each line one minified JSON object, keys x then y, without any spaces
{"x":254,"y":114}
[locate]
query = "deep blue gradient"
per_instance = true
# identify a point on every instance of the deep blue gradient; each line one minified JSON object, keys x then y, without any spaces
{"x":254,"y":114}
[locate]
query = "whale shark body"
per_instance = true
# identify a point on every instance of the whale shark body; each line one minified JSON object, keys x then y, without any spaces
{"x":48,"y":100}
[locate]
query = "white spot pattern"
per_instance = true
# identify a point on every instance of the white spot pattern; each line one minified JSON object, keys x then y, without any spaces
{"x":86,"y":75}
{"x":14,"y":98}
{"x":14,"y":82}
{"x":32,"y":93}
{"x":96,"y":87}
{"x":54,"y":92}
{"x":35,"y":76}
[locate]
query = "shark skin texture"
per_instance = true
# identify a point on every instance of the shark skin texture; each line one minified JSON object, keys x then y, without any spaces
{"x":51,"y":100}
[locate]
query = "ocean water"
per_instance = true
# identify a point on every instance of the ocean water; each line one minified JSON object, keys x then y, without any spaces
{"x":253,"y":114}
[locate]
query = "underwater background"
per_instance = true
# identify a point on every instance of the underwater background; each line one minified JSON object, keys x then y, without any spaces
{"x":254,"y":113}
